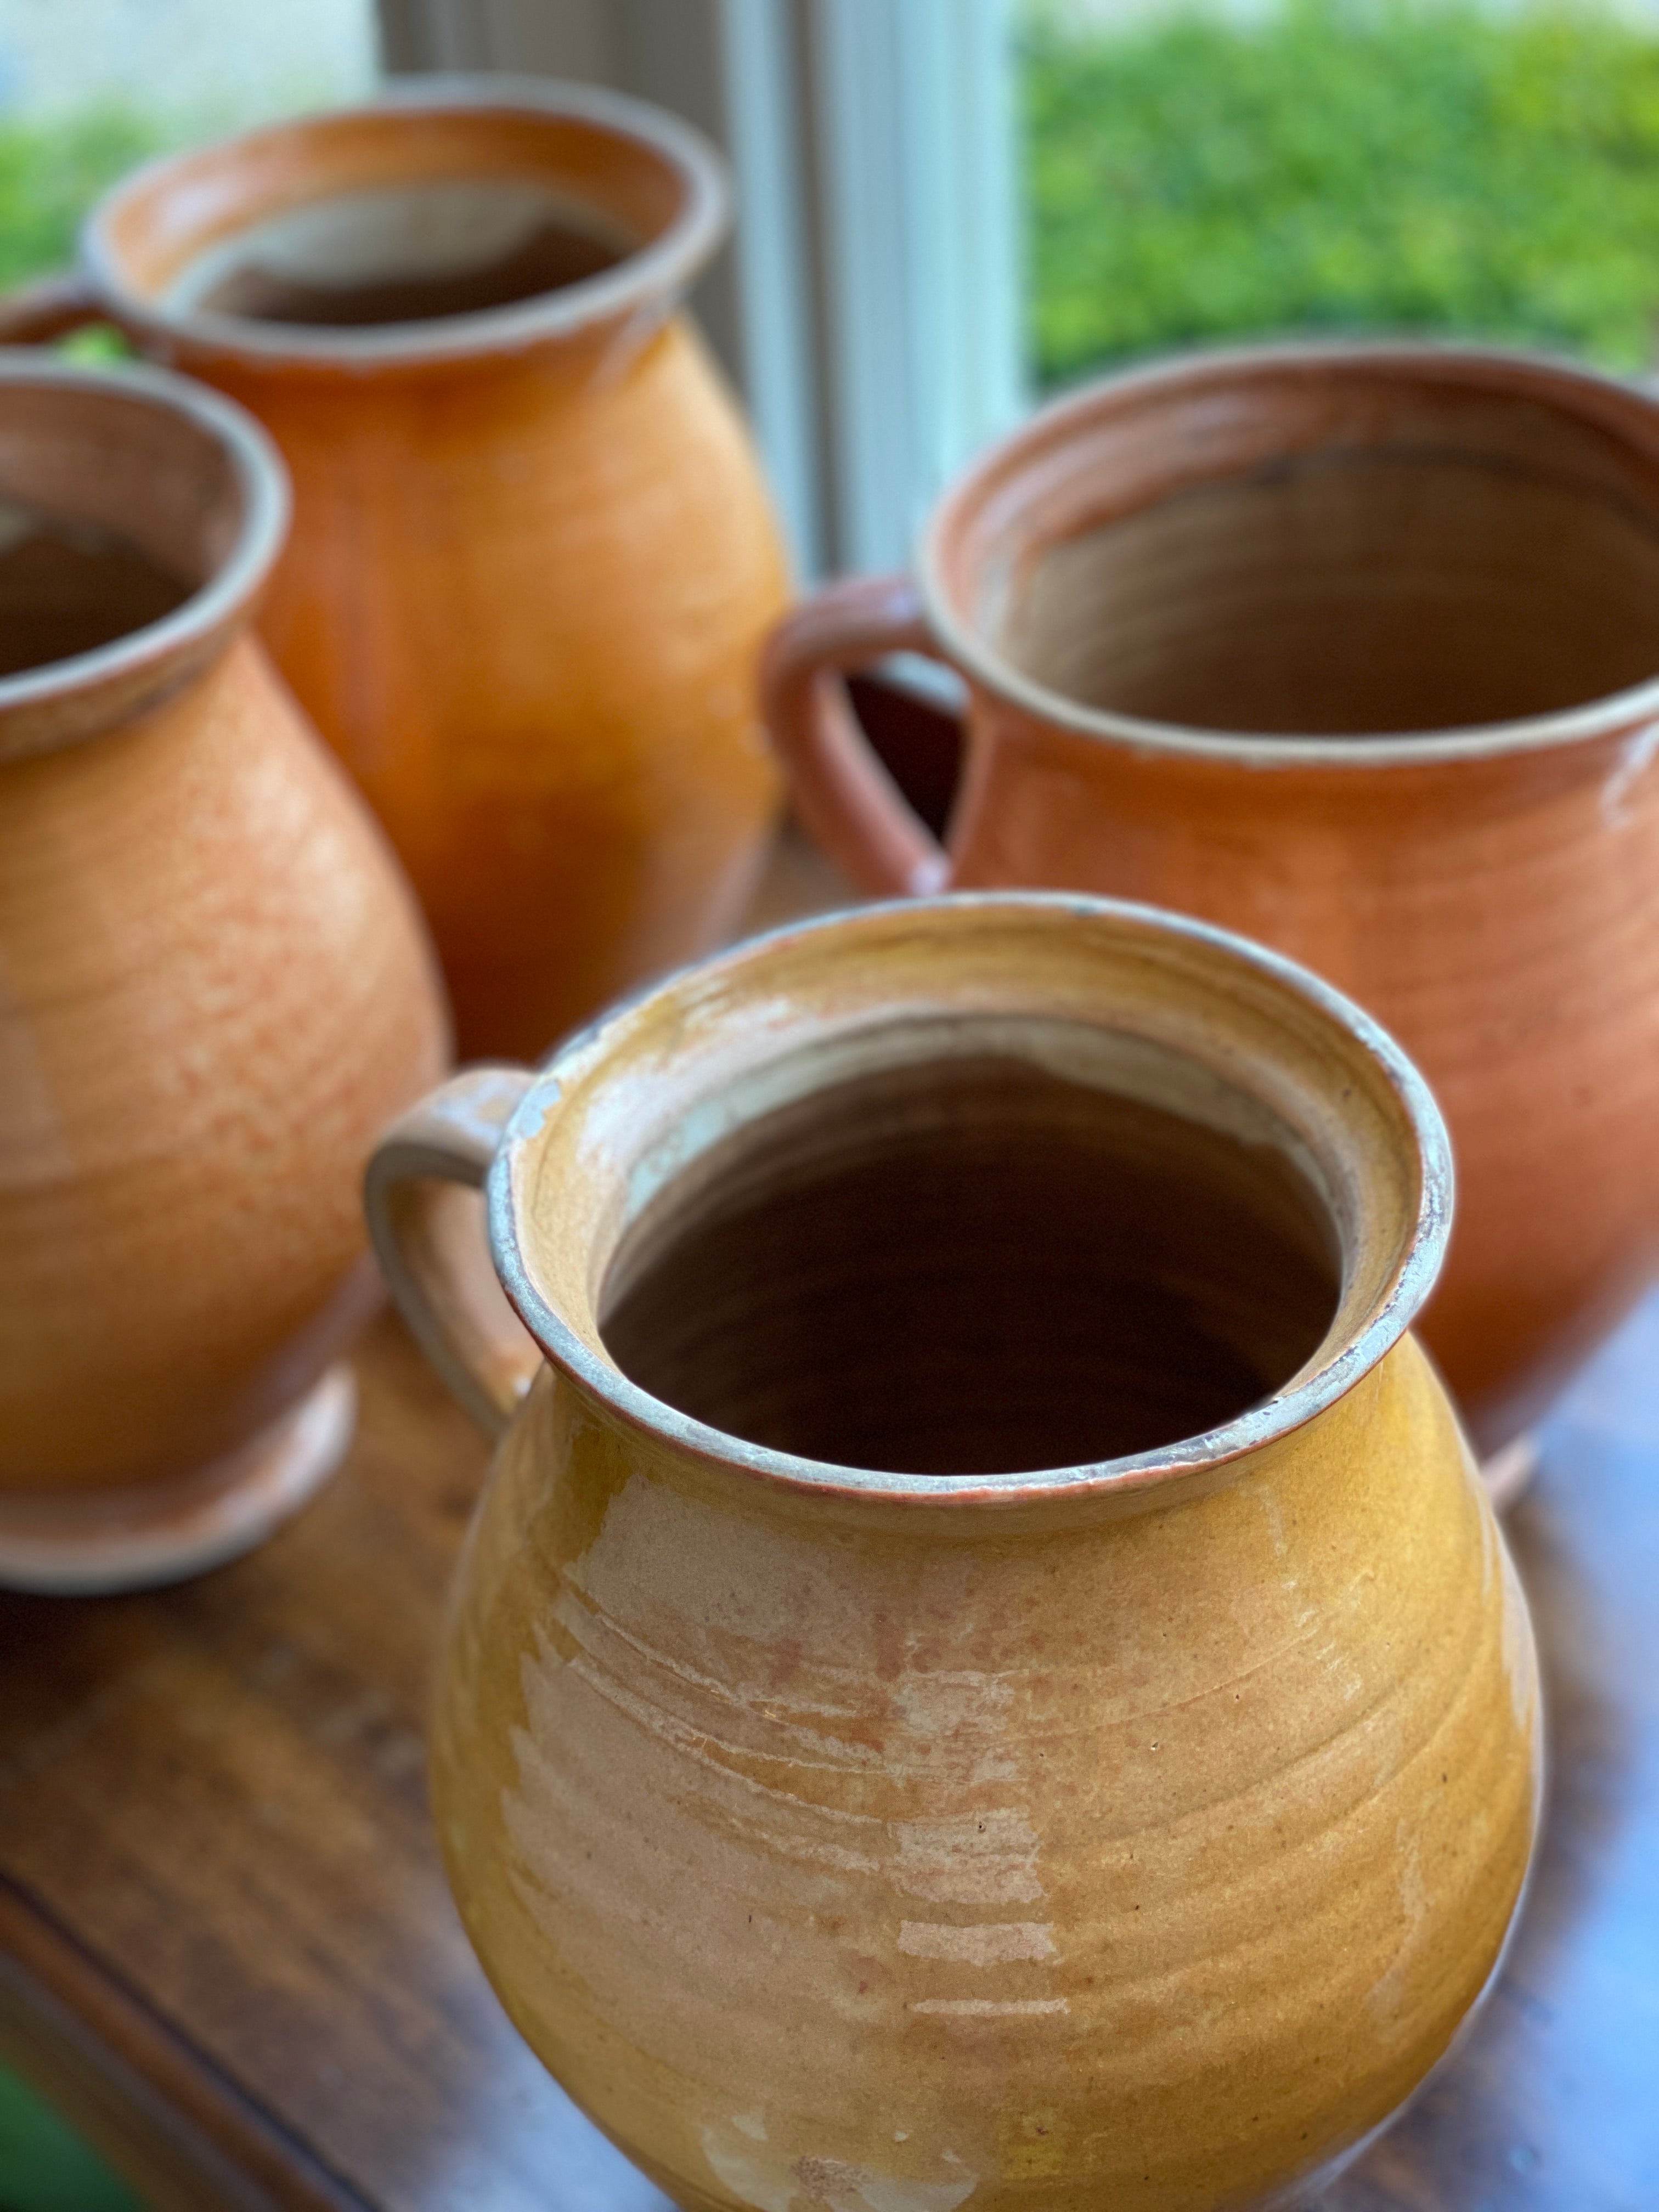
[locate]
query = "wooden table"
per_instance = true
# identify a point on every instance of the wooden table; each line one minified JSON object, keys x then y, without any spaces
{"x":227,"y":1955}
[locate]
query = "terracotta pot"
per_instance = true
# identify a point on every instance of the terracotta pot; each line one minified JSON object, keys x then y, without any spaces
{"x":532,"y":558}
{"x":1353,"y":650}
{"x":216,"y":989}
{"x":845,"y":1818}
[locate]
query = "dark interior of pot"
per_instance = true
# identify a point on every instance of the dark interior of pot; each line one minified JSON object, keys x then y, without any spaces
{"x":1353,"y":591}
{"x":388,"y":215}
{"x":68,"y":586}
{"x":973,"y":1265}
{"x":114,"y":509}
{"x":413,"y":254}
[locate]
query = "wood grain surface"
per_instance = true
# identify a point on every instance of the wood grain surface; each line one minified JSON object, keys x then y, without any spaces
{"x":227,"y":1951}
{"x":230,"y":1957}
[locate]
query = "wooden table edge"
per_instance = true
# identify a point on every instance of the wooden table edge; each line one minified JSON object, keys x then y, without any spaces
{"x":154,"y":2106}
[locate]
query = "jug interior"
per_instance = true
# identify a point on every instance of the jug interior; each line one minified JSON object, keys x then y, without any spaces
{"x":1353,"y":589}
{"x":116,"y":506}
{"x":973,"y":1265}
{"x":68,"y":585}
{"x":410,"y":254}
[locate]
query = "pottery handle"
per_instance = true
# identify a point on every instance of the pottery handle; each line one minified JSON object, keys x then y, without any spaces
{"x":37,"y":313}
{"x":843,"y":794}
{"x":428,"y":1233}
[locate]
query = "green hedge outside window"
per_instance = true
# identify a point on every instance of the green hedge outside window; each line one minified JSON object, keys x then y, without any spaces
{"x":1338,"y":166}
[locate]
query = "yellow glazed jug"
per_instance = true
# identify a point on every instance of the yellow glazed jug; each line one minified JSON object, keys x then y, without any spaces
{"x":983,"y":1675}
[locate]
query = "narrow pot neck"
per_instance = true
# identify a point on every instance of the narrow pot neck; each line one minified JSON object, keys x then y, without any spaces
{"x":162,"y":466}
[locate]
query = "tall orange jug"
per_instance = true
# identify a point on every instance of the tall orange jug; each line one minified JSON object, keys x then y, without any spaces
{"x":533,"y":557}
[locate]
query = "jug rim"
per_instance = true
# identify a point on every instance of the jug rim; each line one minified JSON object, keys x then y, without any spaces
{"x":655,"y":273}
{"x":1541,"y":375}
{"x":60,"y":701}
{"x":1380,"y":1317}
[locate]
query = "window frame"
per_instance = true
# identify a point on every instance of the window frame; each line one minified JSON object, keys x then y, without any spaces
{"x":869,"y":308}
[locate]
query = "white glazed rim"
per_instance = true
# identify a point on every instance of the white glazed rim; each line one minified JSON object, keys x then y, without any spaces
{"x":965,"y":646}
{"x":261,"y":477}
{"x":1337,"y":1364}
{"x":661,"y":270}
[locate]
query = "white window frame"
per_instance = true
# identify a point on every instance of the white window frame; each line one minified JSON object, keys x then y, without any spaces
{"x":870,"y":308}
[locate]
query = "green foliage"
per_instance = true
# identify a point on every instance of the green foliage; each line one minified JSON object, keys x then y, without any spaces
{"x":50,"y":174}
{"x":43,"y":2168}
{"x":99,"y":346}
{"x":1410,"y":165}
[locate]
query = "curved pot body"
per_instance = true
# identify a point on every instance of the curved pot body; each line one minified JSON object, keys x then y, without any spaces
{"x":1136,"y":1832}
{"x":532,"y":556}
{"x":1351,"y":650}
{"x":217,"y":984}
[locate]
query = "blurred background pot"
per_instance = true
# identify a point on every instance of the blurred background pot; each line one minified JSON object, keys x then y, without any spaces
{"x":1355,"y":650}
{"x":216,"y":988}
{"x":982,"y":1674}
{"x":533,"y":557}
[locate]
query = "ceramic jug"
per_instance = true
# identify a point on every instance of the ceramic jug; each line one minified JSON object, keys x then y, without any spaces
{"x":532,"y":559}
{"x":984,"y":1674}
{"x":214,"y":988}
{"x":1355,"y":650}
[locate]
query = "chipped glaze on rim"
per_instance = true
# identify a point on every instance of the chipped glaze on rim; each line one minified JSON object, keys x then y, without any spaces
{"x":660,"y":270}
{"x":1537,"y":376}
{"x":1314,"y":1388}
{"x":261,"y":479}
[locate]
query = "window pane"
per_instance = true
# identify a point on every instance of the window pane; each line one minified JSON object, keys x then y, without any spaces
{"x":1431,"y":167}
{"x":89,"y":87}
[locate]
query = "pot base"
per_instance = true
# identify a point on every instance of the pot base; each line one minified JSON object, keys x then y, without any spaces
{"x":103,"y":1541}
{"x":1508,"y":1472}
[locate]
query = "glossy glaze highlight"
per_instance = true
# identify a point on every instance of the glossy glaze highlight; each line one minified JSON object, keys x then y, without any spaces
{"x":1141,"y":1829}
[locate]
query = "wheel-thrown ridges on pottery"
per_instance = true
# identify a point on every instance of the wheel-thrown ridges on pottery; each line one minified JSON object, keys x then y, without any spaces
{"x":541,"y":671}
{"x":218,"y":995}
{"x":1144,"y":1863}
{"x":1503,"y":925}
{"x":217,"y":989}
{"x":1139,"y":1832}
{"x":532,"y":556}
{"x":1352,"y":649}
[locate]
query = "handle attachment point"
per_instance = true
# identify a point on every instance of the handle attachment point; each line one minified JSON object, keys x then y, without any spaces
{"x":845,"y":796}
{"x":426,"y":1222}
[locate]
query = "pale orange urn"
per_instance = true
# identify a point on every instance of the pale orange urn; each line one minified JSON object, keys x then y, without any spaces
{"x":1356,"y":650}
{"x":532,"y":558}
{"x":215,"y":987}
{"x":984,"y":1675}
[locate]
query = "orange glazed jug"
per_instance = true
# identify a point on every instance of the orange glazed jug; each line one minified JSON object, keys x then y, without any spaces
{"x":214,"y":991}
{"x":532,"y":556}
{"x":1355,"y":650}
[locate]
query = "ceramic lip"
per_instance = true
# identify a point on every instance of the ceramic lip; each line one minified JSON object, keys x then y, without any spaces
{"x":261,"y":479}
{"x":662,"y":269}
{"x":983,"y":664}
{"x":1338,"y":1362}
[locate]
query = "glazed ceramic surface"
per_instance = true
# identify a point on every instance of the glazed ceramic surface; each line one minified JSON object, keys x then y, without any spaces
{"x":532,"y":558}
{"x":216,"y":988}
{"x":1353,"y":650}
{"x":1135,"y":1832}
